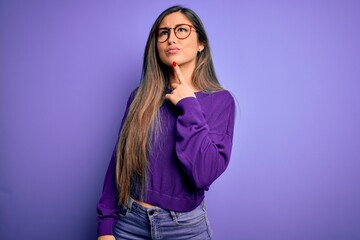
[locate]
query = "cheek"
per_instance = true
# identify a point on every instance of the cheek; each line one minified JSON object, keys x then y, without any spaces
{"x":191,"y":49}
{"x":161,"y":52}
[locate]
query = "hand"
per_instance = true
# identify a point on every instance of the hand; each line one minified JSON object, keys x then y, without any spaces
{"x":106,"y":237}
{"x":180,"y":88}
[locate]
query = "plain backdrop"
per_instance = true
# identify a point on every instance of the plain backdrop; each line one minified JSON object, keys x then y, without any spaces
{"x":67,"y":68}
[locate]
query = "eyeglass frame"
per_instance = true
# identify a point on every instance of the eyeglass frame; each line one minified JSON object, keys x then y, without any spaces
{"x":169,"y":30}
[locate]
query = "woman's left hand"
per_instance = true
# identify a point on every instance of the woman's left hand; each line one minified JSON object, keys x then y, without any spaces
{"x":180,"y":87}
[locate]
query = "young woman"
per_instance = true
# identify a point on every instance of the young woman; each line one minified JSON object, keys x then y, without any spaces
{"x":175,"y":138}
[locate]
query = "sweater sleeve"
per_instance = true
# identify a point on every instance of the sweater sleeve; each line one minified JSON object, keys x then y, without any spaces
{"x":107,"y":207}
{"x":204,"y":141}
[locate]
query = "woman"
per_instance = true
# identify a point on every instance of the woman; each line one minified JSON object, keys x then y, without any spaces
{"x":175,"y":139}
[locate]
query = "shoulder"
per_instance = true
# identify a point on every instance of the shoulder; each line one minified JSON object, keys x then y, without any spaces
{"x":222,"y":97}
{"x":215,"y":104}
{"x":218,"y":108}
{"x":221,"y":93}
{"x":132,"y":96}
{"x":133,"y":93}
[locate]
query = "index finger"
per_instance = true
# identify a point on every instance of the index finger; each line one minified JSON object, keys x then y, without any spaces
{"x":178,"y":73}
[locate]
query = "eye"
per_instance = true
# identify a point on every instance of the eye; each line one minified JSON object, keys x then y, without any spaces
{"x":163,"y":32}
{"x":182,"y":29}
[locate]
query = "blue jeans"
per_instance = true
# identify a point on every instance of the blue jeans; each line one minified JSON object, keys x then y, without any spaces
{"x":138,"y":222}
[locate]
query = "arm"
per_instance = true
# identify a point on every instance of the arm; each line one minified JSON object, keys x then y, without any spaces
{"x":203,"y":146}
{"x":107,"y":207}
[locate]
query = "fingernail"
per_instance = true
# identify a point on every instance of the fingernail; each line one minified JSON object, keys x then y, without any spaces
{"x":174,"y":64}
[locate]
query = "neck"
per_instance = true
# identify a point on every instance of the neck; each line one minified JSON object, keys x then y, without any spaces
{"x":187,"y":70}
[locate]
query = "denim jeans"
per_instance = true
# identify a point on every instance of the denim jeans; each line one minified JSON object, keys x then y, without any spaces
{"x":138,"y":222}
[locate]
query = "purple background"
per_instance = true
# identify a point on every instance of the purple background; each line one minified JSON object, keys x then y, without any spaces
{"x":67,"y":68}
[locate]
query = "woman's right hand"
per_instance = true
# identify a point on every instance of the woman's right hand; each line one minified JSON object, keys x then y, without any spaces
{"x":180,"y":87}
{"x":106,"y":237}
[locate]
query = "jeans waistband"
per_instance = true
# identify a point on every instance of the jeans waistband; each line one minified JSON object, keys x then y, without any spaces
{"x":133,"y":205}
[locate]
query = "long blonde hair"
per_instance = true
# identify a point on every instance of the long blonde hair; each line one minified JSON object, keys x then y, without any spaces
{"x":143,"y":119}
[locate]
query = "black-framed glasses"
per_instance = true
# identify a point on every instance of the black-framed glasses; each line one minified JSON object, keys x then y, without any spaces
{"x":181,"y":31}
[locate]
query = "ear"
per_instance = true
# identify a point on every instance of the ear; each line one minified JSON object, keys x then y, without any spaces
{"x":201,"y":47}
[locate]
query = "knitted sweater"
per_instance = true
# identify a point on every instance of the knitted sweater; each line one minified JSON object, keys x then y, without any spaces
{"x":192,"y":150}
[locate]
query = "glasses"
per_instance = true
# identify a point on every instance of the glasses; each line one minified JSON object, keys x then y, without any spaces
{"x":181,"y":31}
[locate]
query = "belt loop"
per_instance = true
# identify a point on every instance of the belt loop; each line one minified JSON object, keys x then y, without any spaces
{"x":130,"y":203}
{"x":173,"y":216}
{"x":126,"y":207}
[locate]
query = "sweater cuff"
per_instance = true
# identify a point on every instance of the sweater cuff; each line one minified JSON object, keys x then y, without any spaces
{"x":105,"y":227}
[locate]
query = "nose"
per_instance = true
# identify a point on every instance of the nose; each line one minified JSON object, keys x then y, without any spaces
{"x":172,"y":36}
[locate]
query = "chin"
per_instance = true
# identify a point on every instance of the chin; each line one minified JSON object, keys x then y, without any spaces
{"x":173,"y":59}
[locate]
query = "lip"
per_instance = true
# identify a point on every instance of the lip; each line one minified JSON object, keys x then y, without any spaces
{"x":172,"y":49}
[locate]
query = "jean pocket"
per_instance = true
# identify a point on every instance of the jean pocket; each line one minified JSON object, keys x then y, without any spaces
{"x":193,"y":217}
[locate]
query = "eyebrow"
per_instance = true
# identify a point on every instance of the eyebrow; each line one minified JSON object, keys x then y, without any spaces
{"x":175,"y":26}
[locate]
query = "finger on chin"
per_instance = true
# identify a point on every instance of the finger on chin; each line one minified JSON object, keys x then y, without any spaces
{"x":177,"y":72}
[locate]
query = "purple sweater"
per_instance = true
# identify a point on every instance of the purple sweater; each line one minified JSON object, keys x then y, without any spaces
{"x":192,"y":151}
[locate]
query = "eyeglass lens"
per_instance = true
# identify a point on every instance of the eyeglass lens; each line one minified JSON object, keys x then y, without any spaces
{"x":181,"y":32}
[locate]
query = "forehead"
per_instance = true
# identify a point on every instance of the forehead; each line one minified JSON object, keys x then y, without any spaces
{"x":174,"y":19}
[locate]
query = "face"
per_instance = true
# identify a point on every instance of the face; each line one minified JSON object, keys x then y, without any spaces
{"x":182,"y":51}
